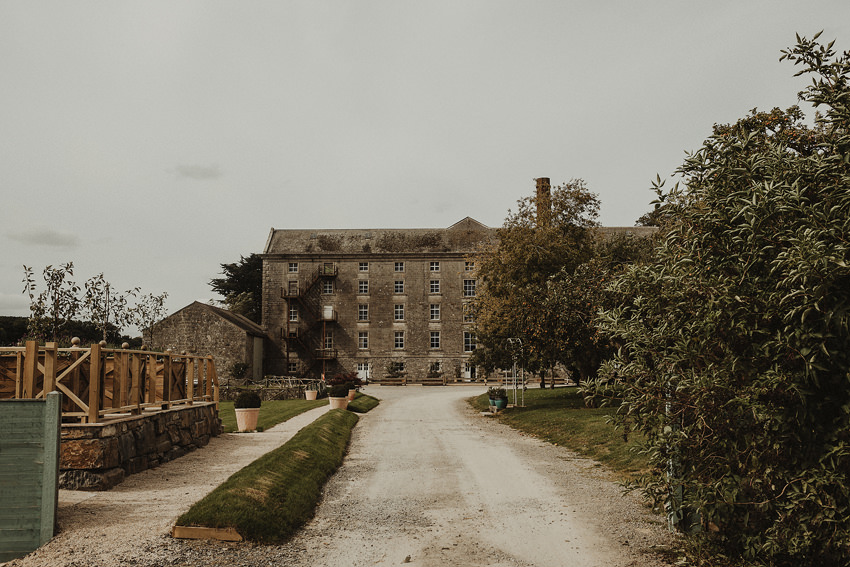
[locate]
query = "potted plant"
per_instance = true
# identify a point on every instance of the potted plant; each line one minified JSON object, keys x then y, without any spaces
{"x":338,"y":396}
{"x":498,"y":397}
{"x":310,"y":391}
{"x":247,"y":406}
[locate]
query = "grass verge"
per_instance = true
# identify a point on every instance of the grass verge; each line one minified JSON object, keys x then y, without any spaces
{"x":363,"y":403}
{"x":560,"y":417}
{"x":271,"y":413}
{"x":268,"y":500}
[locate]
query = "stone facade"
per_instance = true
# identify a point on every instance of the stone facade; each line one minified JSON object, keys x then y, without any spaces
{"x":204,"y":329}
{"x":98,"y":456}
{"x":362,"y":300}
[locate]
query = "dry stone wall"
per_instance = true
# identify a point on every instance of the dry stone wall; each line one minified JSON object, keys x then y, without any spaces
{"x":99,"y":456}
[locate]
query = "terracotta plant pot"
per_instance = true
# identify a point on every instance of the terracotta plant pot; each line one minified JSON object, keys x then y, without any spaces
{"x":311,"y":394}
{"x":351,"y":394}
{"x":339,"y":403}
{"x":246,"y":418}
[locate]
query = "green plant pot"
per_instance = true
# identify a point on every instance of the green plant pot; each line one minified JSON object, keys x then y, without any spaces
{"x":500,"y":403}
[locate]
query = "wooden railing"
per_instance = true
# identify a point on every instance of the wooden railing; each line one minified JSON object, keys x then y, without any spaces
{"x":99,"y":384}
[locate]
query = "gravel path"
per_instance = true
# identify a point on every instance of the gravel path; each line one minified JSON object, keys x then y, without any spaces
{"x":427,"y":482}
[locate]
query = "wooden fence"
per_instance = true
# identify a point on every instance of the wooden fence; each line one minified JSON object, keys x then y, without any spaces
{"x":99,"y":384}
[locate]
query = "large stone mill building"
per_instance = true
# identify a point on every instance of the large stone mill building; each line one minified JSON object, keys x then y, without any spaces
{"x":381,"y":302}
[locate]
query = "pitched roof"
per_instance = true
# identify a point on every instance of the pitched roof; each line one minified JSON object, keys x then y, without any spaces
{"x":464,"y":236}
{"x":239,"y":320}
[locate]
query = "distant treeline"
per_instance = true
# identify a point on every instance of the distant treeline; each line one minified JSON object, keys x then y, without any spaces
{"x":13,"y":331}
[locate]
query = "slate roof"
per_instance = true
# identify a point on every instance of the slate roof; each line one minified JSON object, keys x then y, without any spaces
{"x":239,"y":320}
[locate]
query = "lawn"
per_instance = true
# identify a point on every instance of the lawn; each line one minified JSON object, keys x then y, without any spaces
{"x":560,"y":417}
{"x":271,"y":413}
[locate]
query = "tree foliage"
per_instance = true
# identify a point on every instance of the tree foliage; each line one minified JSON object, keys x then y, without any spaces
{"x":57,"y":303}
{"x":148,"y":310}
{"x":735,"y":351}
{"x":515,"y":274}
{"x":242,"y":286}
{"x":105,"y":306}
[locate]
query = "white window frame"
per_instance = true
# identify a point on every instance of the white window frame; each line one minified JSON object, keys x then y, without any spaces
{"x":469,"y":287}
{"x":398,"y":312}
{"x":469,"y":266}
{"x":363,"y":267}
{"x":363,"y":340}
{"x":434,"y":267}
{"x":329,"y":339}
{"x":435,"y":340}
{"x":293,"y":267}
{"x":468,"y":341}
{"x":363,"y":312}
{"x":398,"y":266}
{"x":434,"y":287}
{"x":327,"y":287}
{"x":293,"y":313}
{"x":363,"y":287}
{"x":398,"y":340}
{"x":434,"y":312}
{"x":398,"y":287}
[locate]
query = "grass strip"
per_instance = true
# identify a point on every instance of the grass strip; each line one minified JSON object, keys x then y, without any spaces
{"x":560,"y":417}
{"x":271,"y":412}
{"x":363,"y":403}
{"x":268,"y":500}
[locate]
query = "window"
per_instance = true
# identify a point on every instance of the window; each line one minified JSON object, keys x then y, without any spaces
{"x":468,"y":342}
{"x":364,"y":266}
{"x":435,"y":367}
{"x":396,"y":366}
{"x":435,"y":286}
{"x":435,"y":312}
{"x":399,"y":286}
{"x":327,"y":286}
{"x":435,"y":266}
{"x":363,"y":340}
{"x":293,"y":267}
{"x":398,"y":312}
{"x":363,"y":312}
{"x":435,"y":339}
{"x":398,"y":339}
{"x":467,"y":313}
{"x":293,"y":313}
{"x":329,"y":339}
{"x":292,"y":367}
{"x":398,"y":267}
{"x":293,"y":288}
{"x":363,"y":370}
{"x":469,"y":288}
{"x":363,"y":286}
{"x":468,"y":266}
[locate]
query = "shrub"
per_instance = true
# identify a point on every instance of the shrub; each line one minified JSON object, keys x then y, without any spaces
{"x":247,"y":399}
{"x":338,"y":391}
{"x":495,"y":393}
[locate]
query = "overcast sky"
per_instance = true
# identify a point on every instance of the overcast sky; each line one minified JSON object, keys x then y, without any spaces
{"x":153,"y":141}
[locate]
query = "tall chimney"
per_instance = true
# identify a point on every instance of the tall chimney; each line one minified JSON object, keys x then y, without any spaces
{"x":544,"y":202}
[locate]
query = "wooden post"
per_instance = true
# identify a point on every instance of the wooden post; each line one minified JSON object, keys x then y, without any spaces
{"x":213,"y":378}
{"x":30,"y":366}
{"x":75,"y":374}
{"x":150,"y":374}
{"x":50,"y":356}
{"x":190,"y":378}
{"x":19,"y":375}
{"x":123,"y":378}
{"x":167,"y":380}
{"x":95,"y":370}
{"x":135,"y":381}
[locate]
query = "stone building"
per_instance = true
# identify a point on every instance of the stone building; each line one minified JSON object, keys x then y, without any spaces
{"x":381,"y":302}
{"x":207,"y":330}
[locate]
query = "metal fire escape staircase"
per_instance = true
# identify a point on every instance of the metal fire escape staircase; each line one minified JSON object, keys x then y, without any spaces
{"x":308,"y":334}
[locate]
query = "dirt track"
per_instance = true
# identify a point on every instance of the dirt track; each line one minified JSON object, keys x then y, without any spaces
{"x":427,"y":482}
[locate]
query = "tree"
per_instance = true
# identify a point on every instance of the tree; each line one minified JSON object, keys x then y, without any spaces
{"x":736,"y":336}
{"x":105,"y":307}
{"x":147,"y":312}
{"x":242,"y":286}
{"x":549,"y":234}
{"x":56,"y":305}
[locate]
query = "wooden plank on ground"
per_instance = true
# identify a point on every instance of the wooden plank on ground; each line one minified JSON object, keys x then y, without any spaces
{"x":197,"y":532}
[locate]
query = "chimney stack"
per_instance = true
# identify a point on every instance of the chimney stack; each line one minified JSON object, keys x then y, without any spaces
{"x":544,"y":202}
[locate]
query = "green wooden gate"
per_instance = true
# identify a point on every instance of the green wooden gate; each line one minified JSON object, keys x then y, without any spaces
{"x":29,"y":473}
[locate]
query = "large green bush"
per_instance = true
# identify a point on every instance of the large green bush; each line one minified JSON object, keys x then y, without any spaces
{"x":736,"y":343}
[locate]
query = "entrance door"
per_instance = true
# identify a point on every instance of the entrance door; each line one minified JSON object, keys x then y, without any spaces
{"x":363,"y":371}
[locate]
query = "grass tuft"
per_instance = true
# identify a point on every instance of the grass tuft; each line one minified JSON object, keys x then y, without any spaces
{"x":363,"y":403}
{"x":560,"y":417}
{"x":268,"y":500}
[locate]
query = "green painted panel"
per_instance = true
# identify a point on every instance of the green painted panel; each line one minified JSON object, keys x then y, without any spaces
{"x":29,"y":472}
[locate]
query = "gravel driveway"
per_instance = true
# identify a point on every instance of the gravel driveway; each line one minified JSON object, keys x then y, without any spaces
{"x":427,"y":482}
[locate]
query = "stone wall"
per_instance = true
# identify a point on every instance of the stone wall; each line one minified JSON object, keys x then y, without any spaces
{"x":198,"y":329}
{"x":98,"y":456}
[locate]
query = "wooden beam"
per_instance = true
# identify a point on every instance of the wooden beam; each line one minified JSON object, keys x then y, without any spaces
{"x":30,"y":365}
{"x":135,"y":381}
{"x":197,"y":532}
{"x":50,"y":356}
{"x":95,"y":370}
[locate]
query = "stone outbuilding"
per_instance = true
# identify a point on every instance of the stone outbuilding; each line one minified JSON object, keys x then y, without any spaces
{"x":232,"y":340}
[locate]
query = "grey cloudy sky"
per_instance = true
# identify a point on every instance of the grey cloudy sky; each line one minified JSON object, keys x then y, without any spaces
{"x":152,"y":141}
